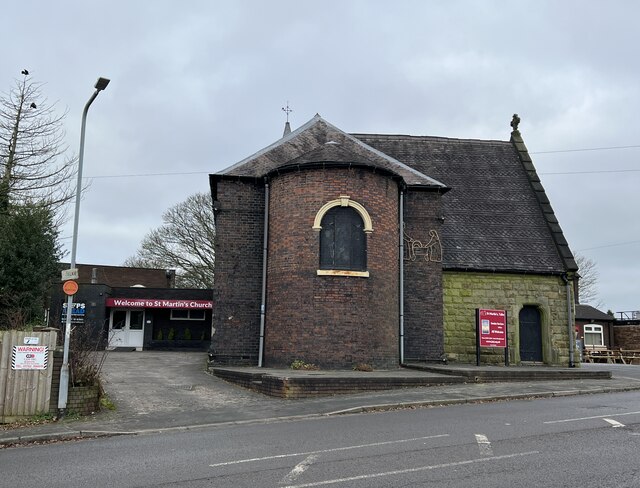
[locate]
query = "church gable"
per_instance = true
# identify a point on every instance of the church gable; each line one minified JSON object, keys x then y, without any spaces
{"x":319,"y":142}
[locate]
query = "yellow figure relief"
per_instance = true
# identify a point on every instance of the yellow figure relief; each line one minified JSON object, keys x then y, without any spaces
{"x":415,"y":249}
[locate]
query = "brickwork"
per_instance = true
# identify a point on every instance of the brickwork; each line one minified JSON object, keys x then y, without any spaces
{"x":306,"y":386}
{"x":331,"y":321}
{"x":607,"y":331}
{"x":55,"y":381}
{"x":124,"y":276}
{"x":627,"y":336}
{"x":238,"y":277}
{"x":464,"y":292}
{"x":81,"y":400}
{"x":424,"y":337}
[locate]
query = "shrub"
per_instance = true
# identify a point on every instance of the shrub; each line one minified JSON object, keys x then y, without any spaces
{"x":300,"y":364}
{"x":363,"y":367}
{"x":86,"y":358}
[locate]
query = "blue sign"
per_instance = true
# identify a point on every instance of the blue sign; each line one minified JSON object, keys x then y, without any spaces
{"x":77,"y":313}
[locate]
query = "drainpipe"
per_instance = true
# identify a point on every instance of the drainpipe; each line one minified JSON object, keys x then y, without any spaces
{"x":264,"y":271}
{"x":401,"y":267}
{"x":570,"y":325}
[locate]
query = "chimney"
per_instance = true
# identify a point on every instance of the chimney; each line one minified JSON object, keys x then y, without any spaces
{"x":171,"y":278}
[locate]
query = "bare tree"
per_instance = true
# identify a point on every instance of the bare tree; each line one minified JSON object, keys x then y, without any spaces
{"x":33,"y":162}
{"x":185,"y":242}
{"x":588,"y":284}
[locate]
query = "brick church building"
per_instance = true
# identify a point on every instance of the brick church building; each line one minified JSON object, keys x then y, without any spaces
{"x":341,"y":249}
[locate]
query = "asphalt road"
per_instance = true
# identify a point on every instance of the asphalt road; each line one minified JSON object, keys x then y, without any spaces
{"x":586,"y":441}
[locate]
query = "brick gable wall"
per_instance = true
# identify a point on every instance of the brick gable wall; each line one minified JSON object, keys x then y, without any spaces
{"x":423,"y":328}
{"x":237,"y":286}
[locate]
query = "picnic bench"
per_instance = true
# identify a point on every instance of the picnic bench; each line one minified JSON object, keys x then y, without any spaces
{"x":611,"y":356}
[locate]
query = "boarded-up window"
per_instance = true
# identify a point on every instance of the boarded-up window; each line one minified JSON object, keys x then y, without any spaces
{"x":343,"y":244}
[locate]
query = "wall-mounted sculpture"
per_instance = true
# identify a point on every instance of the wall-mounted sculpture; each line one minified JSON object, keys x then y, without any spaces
{"x":415,"y":249}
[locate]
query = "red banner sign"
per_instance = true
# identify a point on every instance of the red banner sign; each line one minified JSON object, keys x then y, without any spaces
{"x":492,"y":328}
{"x":159,"y":303}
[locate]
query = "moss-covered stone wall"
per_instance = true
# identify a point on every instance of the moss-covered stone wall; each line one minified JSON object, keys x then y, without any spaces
{"x":466,"y":291}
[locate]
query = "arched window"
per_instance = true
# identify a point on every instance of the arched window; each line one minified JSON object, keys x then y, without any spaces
{"x":343,"y":244}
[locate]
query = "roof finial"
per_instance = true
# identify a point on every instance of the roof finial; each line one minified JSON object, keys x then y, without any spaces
{"x":515,"y":121}
{"x":287,"y":110}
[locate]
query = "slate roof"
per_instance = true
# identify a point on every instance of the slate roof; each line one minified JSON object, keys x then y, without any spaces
{"x":587,"y":312}
{"x":317,"y":142}
{"x":493,"y":217}
{"x":497,"y":216}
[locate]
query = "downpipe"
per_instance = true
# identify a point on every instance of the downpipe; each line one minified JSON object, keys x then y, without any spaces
{"x":401,"y":268}
{"x":570,"y":325}
{"x":263,"y":299}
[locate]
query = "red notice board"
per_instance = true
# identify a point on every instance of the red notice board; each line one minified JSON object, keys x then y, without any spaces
{"x":492,"y":328}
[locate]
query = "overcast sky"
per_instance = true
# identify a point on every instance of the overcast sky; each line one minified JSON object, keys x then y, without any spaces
{"x":198,"y":85}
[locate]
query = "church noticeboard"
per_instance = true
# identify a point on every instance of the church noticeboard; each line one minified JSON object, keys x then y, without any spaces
{"x":491,"y":331}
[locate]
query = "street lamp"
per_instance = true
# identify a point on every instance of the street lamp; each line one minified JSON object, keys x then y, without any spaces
{"x":100,"y":85}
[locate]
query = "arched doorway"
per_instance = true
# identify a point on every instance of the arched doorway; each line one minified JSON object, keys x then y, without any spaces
{"x":530,"y":334}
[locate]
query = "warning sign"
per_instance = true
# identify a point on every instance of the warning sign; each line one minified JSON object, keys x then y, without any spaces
{"x":29,"y":357}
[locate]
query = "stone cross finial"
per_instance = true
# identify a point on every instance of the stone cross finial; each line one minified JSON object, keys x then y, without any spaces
{"x":515,"y":121}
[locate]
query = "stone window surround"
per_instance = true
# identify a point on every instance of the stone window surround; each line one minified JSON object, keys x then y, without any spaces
{"x":343,"y":201}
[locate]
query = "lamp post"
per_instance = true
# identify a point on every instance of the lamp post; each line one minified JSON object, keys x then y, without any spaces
{"x":100,"y":85}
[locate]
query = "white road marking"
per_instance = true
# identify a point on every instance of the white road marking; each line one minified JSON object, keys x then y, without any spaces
{"x":628,"y":378}
{"x":484,"y":445}
{"x":322,"y":451}
{"x":413,"y":470}
{"x":614,"y":423}
{"x":590,"y":418}
{"x":299,"y":469}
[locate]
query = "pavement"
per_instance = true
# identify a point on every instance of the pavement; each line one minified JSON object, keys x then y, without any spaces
{"x":160,"y":391}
